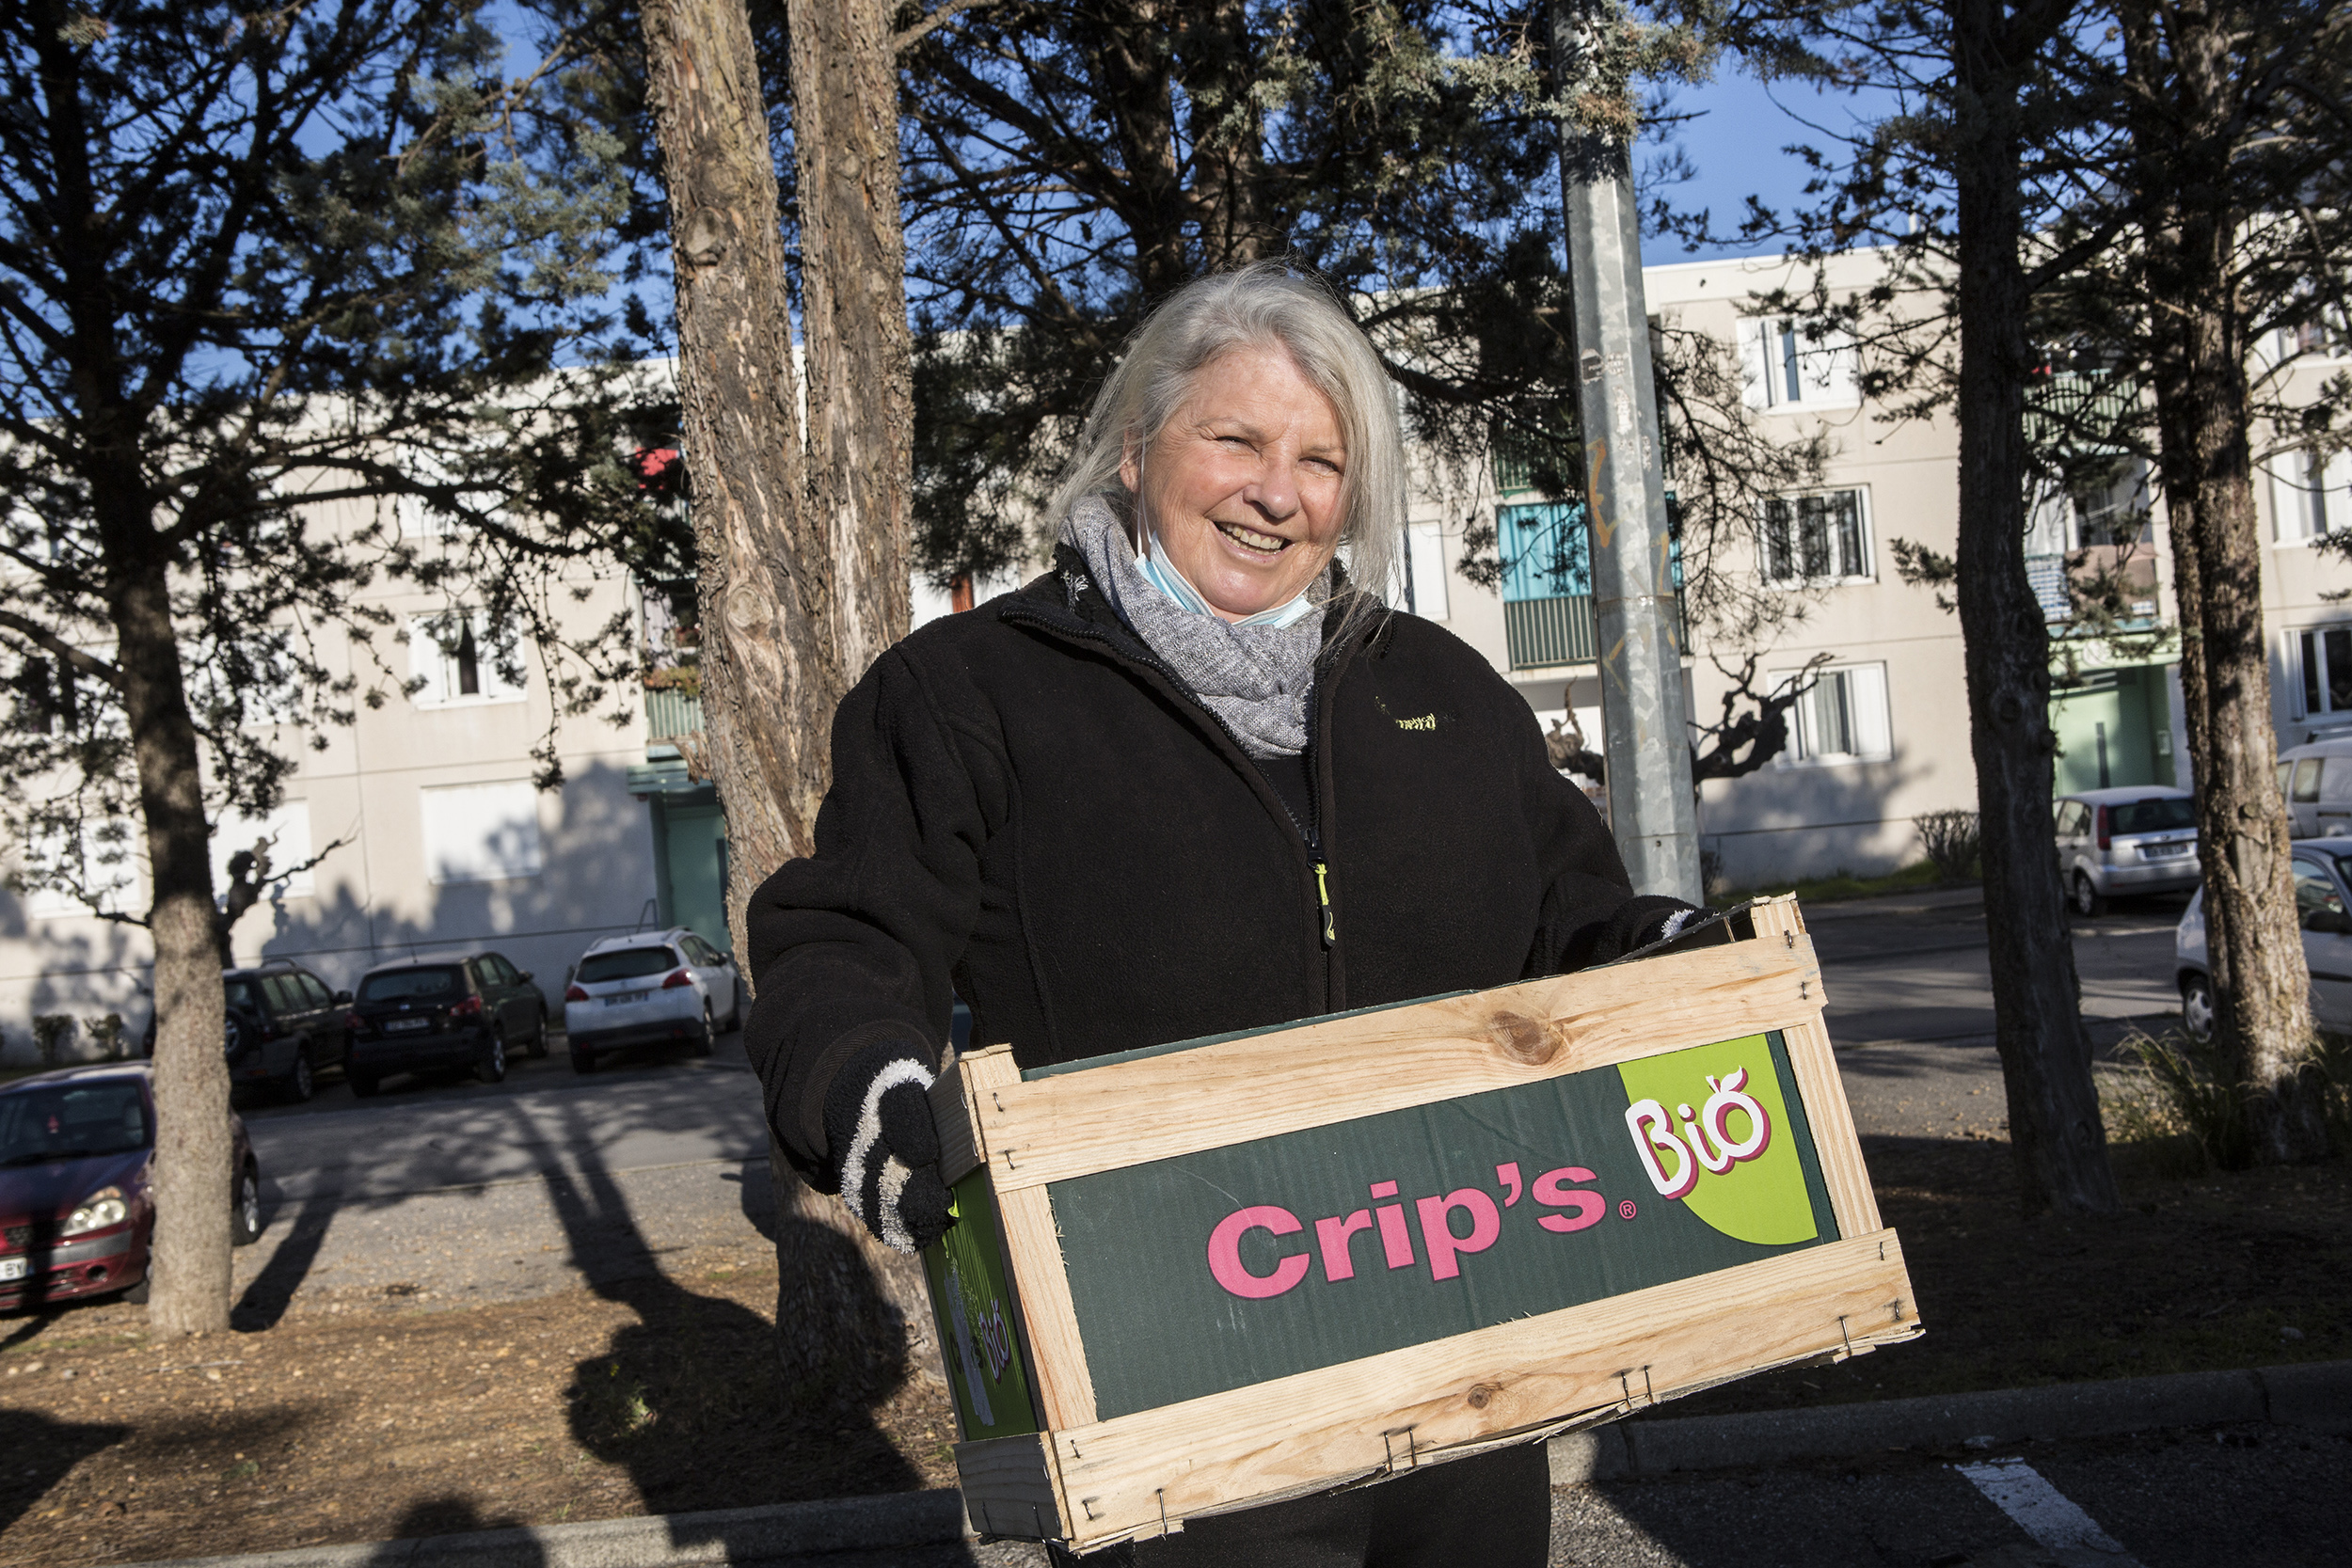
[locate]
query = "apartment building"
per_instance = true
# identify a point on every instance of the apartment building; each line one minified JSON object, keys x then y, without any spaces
{"x":434,"y":838}
{"x":1881,"y":736}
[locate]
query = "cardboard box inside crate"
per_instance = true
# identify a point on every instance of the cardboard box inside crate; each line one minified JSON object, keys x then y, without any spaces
{"x":1209,"y":1274}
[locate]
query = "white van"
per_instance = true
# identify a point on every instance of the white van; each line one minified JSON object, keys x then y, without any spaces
{"x":2317,"y":781}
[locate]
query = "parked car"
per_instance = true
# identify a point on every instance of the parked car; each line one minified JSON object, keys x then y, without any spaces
{"x":2322,"y":907}
{"x":77,"y":1212}
{"x":2133,"y":839}
{"x":647,"y":989}
{"x":283,"y":1027}
{"x":467,"y":1011}
{"x":2318,"y":781}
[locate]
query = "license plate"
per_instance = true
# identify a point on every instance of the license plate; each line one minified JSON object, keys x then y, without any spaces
{"x":394,"y":1026}
{"x":15,"y":1267}
{"x":2164,"y":851}
{"x":626,"y":996}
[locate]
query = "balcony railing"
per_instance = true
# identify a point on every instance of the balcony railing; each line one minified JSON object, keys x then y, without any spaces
{"x":1537,"y":632}
{"x":671,"y":713}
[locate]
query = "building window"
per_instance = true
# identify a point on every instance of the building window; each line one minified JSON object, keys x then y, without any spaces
{"x":461,"y":659}
{"x":481,"y":832}
{"x":2326,"y":656}
{"x":1816,"y":538}
{"x":1843,"y":718}
{"x":64,"y":870}
{"x":2106,"y":517}
{"x":1782,"y":365}
{"x":2311,"y":494}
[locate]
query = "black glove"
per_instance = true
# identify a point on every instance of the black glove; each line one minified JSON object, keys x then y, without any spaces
{"x":884,"y":1147}
{"x":1643,"y":921}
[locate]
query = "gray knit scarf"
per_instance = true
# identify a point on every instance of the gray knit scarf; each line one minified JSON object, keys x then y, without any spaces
{"x":1257,"y":679}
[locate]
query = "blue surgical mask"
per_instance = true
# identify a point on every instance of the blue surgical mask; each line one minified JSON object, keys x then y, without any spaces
{"x":1162,"y":574}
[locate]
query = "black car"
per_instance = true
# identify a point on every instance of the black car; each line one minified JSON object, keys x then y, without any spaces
{"x":424,"y":1014}
{"x":283,"y":1027}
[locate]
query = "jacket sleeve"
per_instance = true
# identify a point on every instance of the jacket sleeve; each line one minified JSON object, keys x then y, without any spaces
{"x":855,"y":945}
{"x":1591,"y":914}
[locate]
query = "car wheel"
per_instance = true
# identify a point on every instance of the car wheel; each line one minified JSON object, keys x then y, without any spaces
{"x":362,"y":1086}
{"x":2197,"y":1007}
{"x":245,"y":1220}
{"x":539,"y":1036}
{"x":2088,"y":901}
{"x":584,"y":1061}
{"x":701,"y":1043}
{"x":137,"y":1295}
{"x":492,"y":1067}
{"x":300,"y":1083}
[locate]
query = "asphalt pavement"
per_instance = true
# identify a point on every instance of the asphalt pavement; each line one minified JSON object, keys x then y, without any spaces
{"x":447,"y":1189}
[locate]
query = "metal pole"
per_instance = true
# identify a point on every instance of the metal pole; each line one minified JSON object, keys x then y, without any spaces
{"x":1645,"y":733}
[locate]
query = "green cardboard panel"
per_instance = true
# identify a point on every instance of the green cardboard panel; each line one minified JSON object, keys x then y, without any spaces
{"x":973,"y":1308}
{"x":1236,"y":1265}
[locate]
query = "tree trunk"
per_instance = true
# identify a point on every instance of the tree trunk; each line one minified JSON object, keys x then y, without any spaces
{"x":1218,"y":71}
{"x":861,"y":414}
{"x":2055,"y":1130}
{"x":802,"y":586}
{"x":771,"y":677}
{"x":2253,"y":943}
{"x":193,"y":1147}
{"x":1128,"y":48}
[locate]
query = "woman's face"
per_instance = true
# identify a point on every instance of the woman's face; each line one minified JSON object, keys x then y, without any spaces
{"x":1244,"y":484}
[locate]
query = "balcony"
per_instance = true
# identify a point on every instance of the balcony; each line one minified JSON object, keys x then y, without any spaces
{"x":672,"y":712}
{"x":1546,"y":632}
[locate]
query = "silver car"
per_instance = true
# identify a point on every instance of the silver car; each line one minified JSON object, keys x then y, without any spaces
{"x":2139,"y":839}
{"x":647,"y":989}
{"x":2322,"y":909}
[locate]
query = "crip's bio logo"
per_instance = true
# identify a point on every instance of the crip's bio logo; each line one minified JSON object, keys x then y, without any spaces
{"x":1707,"y":1141}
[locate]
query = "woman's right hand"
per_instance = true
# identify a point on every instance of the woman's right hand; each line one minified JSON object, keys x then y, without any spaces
{"x":886,"y":1148}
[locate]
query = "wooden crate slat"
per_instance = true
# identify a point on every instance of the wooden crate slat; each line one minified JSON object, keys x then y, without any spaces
{"x":961,"y":1148}
{"x":1009,"y":1487}
{"x":1825,"y":1094}
{"x":1057,"y":1358}
{"x":1156,"y":1107}
{"x":1221,"y":1452}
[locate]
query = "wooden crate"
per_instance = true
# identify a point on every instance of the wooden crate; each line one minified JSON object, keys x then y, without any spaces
{"x":1208,"y":1275}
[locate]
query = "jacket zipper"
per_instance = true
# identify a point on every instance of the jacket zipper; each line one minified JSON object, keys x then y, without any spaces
{"x":1306,"y":831}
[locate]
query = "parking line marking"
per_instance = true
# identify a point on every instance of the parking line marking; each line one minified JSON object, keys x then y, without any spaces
{"x":2048,"y":1514}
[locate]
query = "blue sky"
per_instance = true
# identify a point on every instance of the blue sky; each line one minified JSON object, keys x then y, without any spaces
{"x":1736,"y":140}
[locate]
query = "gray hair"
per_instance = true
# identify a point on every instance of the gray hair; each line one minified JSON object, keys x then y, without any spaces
{"x":1265,"y":305}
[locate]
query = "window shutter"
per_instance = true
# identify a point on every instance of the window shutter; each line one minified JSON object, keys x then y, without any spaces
{"x":1755,"y":364}
{"x":429,"y":660}
{"x":1866,"y":685}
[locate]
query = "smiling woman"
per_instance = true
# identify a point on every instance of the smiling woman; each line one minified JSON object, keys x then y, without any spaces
{"x":1195,"y":780}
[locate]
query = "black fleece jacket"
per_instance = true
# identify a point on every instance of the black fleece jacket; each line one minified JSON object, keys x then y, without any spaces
{"x":1028,"y":808}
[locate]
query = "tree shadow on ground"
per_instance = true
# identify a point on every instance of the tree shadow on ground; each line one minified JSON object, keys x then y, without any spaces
{"x":693,"y":1400}
{"x":37,"y":1453}
{"x":272,"y":1291}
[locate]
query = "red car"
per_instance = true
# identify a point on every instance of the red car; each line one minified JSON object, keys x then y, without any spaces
{"x":76,"y":1211}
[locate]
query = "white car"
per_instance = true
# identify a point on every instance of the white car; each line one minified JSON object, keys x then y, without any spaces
{"x":2323,"y":907}
{"x":647,"y":989}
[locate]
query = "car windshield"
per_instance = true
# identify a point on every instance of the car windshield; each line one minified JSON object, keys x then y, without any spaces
{"x":71,"y":1121}
{"x":2162,"y":816}
{"x":407,"y":985}
{"x":626,"y":963}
